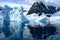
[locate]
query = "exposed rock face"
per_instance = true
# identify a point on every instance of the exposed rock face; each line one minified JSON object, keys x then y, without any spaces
{"x":34,"y":8}
{"x":40,"y":8}
{"x":42,"y":32}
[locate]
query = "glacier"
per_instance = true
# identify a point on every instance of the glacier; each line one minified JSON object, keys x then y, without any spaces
{"x":15,"y":20}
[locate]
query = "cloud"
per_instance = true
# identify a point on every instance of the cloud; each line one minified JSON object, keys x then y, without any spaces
{"x":32,"y":1}
{"x":21,"y":1}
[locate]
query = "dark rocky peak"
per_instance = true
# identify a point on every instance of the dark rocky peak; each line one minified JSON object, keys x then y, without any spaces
{"x":40,"y":8}
{"x":51,"y":9}
{"x":34,"y":8}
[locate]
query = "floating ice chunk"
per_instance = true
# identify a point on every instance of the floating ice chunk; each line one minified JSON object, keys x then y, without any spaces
{"x":36,"y":20}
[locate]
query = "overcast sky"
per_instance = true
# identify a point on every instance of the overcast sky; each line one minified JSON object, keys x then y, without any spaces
{"x":20,"y":1}
{"x":30,"y":1}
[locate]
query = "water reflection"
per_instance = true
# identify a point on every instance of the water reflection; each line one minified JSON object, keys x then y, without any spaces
{"x":14,"y":29}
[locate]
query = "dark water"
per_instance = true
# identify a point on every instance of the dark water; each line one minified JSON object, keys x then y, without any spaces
{"x":15,"y":29}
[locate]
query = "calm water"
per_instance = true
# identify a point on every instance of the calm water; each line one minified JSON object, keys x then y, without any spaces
{"x":15,"y":28}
